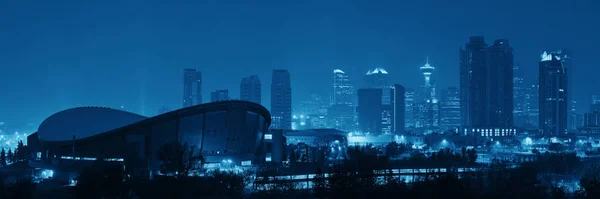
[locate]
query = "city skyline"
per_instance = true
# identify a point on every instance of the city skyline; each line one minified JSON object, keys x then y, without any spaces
{"x":118,"y":60}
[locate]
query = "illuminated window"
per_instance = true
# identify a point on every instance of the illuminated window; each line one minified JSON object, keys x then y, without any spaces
{"x":268,"y":136}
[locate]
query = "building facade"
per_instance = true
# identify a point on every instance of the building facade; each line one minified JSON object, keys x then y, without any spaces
{"x":553,"y":96}
{"x":499,"y":84}
{"x":409,"y":108}
{"x":532,"y":107}
{"x":192,"y":87}
{"x":369,"y":110}
{"x":251,"y":89}
{"x":341,"y":113}
{"x":219,"y":95}
{"x":226,"y":133}
{"x":377,"y":78}
{"x":473,"y":92}
{"x":281,"y":100}
{"x":450,"y":109}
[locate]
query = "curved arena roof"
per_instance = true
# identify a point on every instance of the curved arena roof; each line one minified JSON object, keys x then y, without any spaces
{"x":83,"y":122}
{"x":55,"y":125}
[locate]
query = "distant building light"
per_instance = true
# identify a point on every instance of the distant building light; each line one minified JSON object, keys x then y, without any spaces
{"x":268,"y":136}
{"x":247,"y":163}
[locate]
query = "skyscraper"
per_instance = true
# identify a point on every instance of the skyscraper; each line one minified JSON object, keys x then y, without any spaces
{"x":192,"y":87}
{"x":342,"y":112}
{"x":486,"y":83}
{"x":377,"y":78}
{"x":450,"y":109}
{"x":519,"y":101}
{"x":473,"y":92}
{"x":399,"y":105}
{"x":250,"y":89}
{"x":532,"y":108}
{"x":409,"y":110}
{"x":595,"y":106}
{"x":574,"y":119}
{"x":553,"y":95}
{"x":499,"y":85}
{"x":219,"y":95}
{"x":281,"y":100}
{"x":370,"y":110}
{"x":343,"y":91}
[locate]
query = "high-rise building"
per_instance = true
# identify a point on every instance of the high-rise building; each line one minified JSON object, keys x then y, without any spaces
{"x":219,"y":95}
{"x":532,"y":108}
{"x":377,"y":78}
{"x":595,"y":106}
{"x":380,"y":113}
{"x":499,"y":84}
{"x":595,"y":99}
{"x":399,"y":106}
{"x":343,"y":91}
{"x":250,"y":89}
{"x":192,"y":87}
{"x":486,"y":79}
{"x":519,"y":102}
{"x":553,"y":95}
{"x":473,"y":90}
{"x":281,"y":100}
{"x":450,"y":109}
{"x":316,"y":111}
{"x":409,"y":110}
{"x":574,"y":120}
{"x":342,"y":112}
{"x":370,"y":110}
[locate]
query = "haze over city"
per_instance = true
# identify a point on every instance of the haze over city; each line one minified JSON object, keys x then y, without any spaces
{"x":62,"y":54}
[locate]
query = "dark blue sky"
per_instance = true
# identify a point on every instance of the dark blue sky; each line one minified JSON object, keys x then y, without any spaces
{"x":60,"y":54}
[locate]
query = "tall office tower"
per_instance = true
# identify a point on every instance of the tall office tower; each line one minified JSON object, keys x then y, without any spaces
{"x":519,"y":101}
{"x":192,"y":87}
{"x":473,"y":92}
{"x":595,"y":99}
{"x":342,"y":112}
{"x":532,"y":108}
{"x":553,"y":95}
{"x":399,"y":106}
{"x":409,"y":111}
{"x":219,"y":95}
{"x":574,"y":120}
{"x":250,"y":89}
{"x":343,"y":91}
{"x":281,"y":100}
{"x":499,"y":84}
{"x":370,"y":110}
{"x":316,"y":109}
{"x":450,"y":109}
{"x":377,"y":78}
{"x":595,"y":105}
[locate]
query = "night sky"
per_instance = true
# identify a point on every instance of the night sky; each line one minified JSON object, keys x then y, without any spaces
{"x":56,"y":55}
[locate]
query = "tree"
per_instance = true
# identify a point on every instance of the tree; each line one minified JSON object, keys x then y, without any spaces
{"x":21,"y":154}
{"x":10,"y":157}
{"x":179,"y":160}
{"x":590,"y":183}
{"x":101,"y":181}
{"x":3,"y":158}
{"x":472,"y":156}
{"x":319,"y":184}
